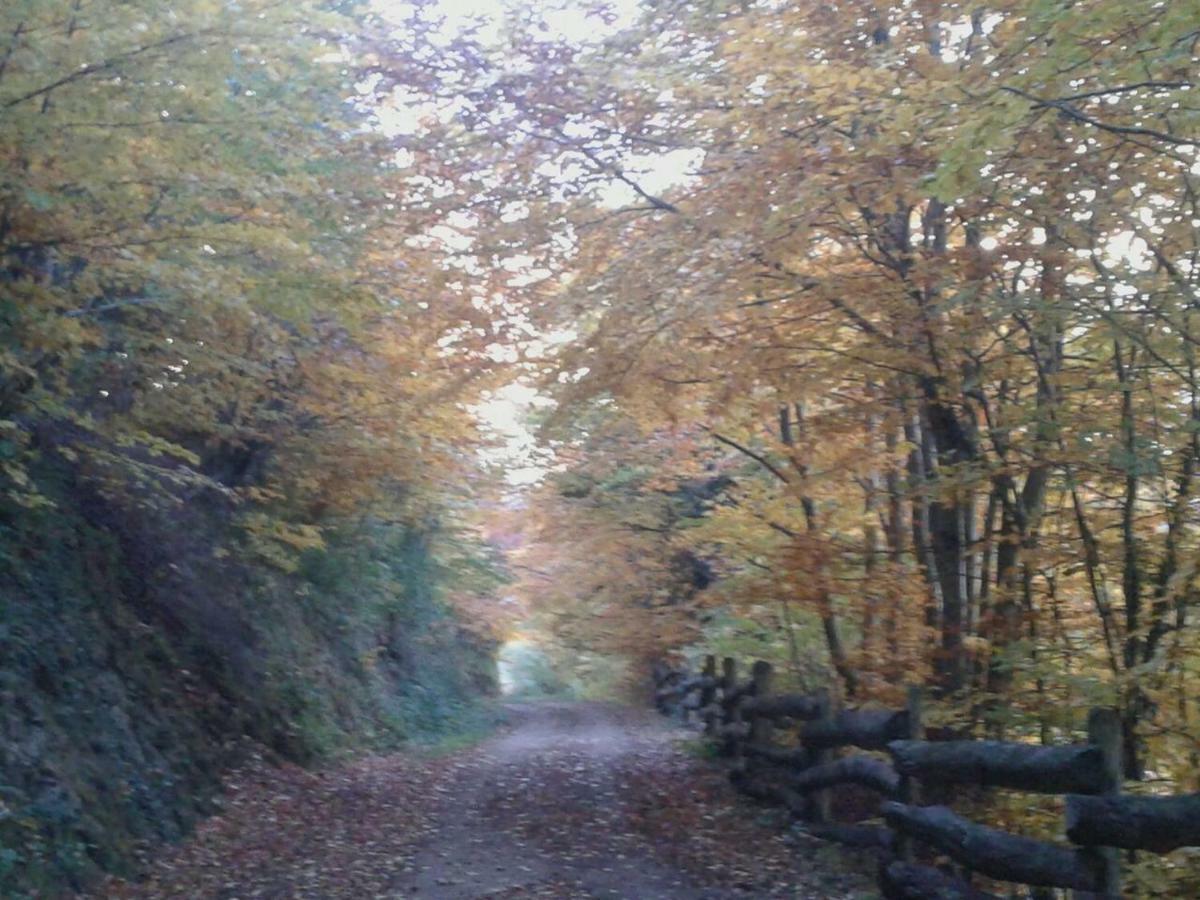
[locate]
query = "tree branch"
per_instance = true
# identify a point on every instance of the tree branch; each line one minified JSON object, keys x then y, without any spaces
{"x":758,"y":458}
{"x":1071,"y":112}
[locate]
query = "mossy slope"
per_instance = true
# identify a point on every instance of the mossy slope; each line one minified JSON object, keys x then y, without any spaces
{"x":136,"y":663}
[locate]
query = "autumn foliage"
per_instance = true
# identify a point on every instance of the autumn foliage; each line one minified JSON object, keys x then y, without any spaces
{"x":921,"y":297}
{"x":236,"y":454}
{"x":869,"y":329}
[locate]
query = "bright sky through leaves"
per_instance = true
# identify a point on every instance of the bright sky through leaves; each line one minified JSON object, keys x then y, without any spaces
{"x":504,"y":412}
{"x":861,"y":337}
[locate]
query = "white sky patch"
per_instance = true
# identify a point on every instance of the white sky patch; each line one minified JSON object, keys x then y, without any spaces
{"x":1126,"y":247}
{"x":655,"y":174}
{"x":503,"y":415}
{"x":569,"y":21}
{"x":955,"y":34}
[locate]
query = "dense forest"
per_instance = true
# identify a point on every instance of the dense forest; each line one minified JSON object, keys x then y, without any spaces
{"x":861,"y":337}
{"x":236,"y":461}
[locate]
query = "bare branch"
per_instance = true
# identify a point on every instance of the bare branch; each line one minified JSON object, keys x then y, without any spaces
{"x":757,"y":457}
{"x":1071,"y":112}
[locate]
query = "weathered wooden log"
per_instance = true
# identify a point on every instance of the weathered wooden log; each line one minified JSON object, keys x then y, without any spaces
{"x":713,"y":709}
{"x":797,"y":804}
{"x":783,"y":706}
{"x":1106,"y":732}
{"x":872,"y":773}
{"x":736,"y":730}
{"x":1158,"y":824}
{"x":664,"y":676}
{"x":870,"y":837}
{"x":735,"y":734}
{"x":658,"y":671}
{"x":728,"y":673}
{"x":760,"y":727}
{"x":994,"y":853}
{"x":737,"y":692}
{"x":908,"y":790}
{"x":821,"y":801}
{"x":752,"y":786}
{"x":789,"y":757}
{"x":909,"y":881}
{"x":708,"y":712}
{"x":765,"y":789}
{"x":669,"y":692}
{"x":686,"y":686}
{"x":667,"y":697}
{"x":726,"y":743}
{"x":870,"y":729}
{"x":1076,"y":769}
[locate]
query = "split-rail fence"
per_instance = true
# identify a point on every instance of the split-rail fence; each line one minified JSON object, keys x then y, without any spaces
{"x":743,"y":718}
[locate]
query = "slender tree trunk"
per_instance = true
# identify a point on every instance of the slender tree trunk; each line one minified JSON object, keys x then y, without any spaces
{"x":919,"y":488}
{"x":1096,"y":581}
{"x":837,"y":650}
{"x":833,"y":639}
{"x":1134,"y":702}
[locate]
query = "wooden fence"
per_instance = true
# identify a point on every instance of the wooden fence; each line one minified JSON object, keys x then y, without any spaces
{"x":742,"y":718}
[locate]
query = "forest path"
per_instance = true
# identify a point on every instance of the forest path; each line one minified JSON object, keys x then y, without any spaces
{"x":538,"y":812}
{"x":585,"y":800}
{"x":578,"y":801}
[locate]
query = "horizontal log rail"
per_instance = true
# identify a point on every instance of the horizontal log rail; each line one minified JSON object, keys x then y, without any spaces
{"x":769,"y":790}
{"x":1076,"y":769}
{"x":712,"y":709}
{"x":735,"y":730}
{"x":736,"y":693}
{"x":1158,"y":824}
{"x":863,"y":770}
{"x":741,"y":717}
{"x":685,"y":686}
{"x":997,"y":853}
{"x":781,"y":756}
{"x":870,"y":729}
{"x":783,"y":706}
{"x":909,"y":881}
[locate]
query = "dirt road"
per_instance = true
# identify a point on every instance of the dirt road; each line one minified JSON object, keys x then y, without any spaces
{"x":577,"y":801}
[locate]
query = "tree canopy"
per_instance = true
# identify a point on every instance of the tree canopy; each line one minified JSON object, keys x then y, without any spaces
{"x":865,"y":331}
{"x":922,"y":294}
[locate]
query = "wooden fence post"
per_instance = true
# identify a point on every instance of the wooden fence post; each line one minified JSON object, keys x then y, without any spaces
{"x":1104,"y":732}
{"x":728,"y":674}
{"x":659,"y":673}
{"x":708,"y":695}
{"x":908,"y":784}
{"x":1099,"y":822}
{"x":737,"y":750}
{"x":728,"y":683}
{"x":761,"y":726}
{"x":819,"y":804}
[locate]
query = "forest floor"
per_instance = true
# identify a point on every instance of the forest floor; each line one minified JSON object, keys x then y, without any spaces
{"x":569,"y":800}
